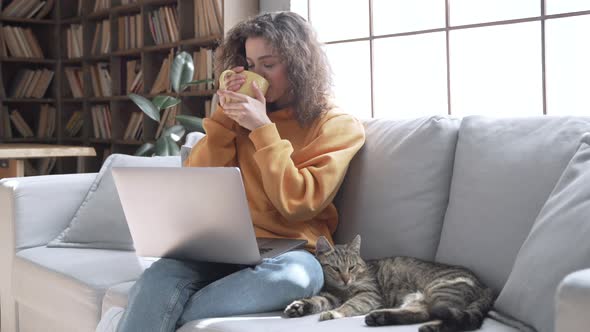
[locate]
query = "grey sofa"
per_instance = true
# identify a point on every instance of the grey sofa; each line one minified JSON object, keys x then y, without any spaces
{"x":478,"y":192}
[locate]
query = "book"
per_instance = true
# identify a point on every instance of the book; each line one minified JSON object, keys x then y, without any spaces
{"x":74,"y":124}
{"x":5,"y":126}
{"x":74,"y":77}
{"x":20,"y":124}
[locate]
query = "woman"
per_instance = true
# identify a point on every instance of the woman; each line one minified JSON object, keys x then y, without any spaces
{"x":293,"y":149}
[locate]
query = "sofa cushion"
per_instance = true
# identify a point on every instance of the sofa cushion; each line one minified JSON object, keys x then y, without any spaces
{"x":396,"y":189}
{"x":100,"y":222}
{"x":504,"y":171}
{"x":72,"y":280}
{"x":273,"y":322}
{"x":556,"y":246}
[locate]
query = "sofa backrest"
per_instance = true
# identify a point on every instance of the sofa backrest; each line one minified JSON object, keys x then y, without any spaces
{"x":503,"y":173}
{"x":396,"y":189}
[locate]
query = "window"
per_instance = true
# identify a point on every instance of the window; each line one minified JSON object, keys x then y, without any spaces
{"x":408,"y":58}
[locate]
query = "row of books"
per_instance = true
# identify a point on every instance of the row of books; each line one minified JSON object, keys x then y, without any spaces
{"x":162,"y":82}
{"x":42,"y":166}
{"x":203,"y":61}
{"x":208,"y":18}
{"x":101,"y":43}
{"x":28,"y":8}
{"x":74,"y":125}
{"x":101,"y":121}
{"x":20,"y":42}
{"x":101,"y":80}
{"x":134,"y":77}
{"x":134,"y":128}
{"x":163,"y":24}
{"x":45,"y":125}
{"x":167,"y":120}
{"x":101,"y":5}
{"x":75,"y":78}
{"x":31,"y":83}
{"x":74,"y":41}
{"x":47,"y":121}
{"x":130,"y":32}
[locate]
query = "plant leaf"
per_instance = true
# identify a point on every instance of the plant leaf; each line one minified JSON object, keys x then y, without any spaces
{"x":191,"y":123}
{"x":146,"y":106}
{"x":146,"y":149}
{"x":197,"y":82}
{"x":175,"y":132}
{"x":165,"y":146}
{"x":163,"y":102}
{"x":182,"y":71}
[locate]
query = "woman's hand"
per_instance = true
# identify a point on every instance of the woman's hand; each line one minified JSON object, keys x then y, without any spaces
{"x":246,"y":111}
{"x":234,"y":82}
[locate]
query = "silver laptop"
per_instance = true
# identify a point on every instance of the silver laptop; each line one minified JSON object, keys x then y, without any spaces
{"x":193,"y":213}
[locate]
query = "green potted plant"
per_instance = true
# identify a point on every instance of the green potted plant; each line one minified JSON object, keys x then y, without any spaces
{"x":181,"y":74}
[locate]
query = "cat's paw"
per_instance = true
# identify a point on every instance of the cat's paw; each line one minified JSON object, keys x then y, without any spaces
{"x":298,"y":308}
{"x":375,"y":318}
{"x":332,"y":314}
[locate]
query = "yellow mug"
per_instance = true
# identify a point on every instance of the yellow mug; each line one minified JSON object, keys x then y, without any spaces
{"x":246,"y":88}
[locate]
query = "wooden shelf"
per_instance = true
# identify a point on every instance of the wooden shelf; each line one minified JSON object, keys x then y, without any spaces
{"x":132,"y":8}
{"x":52,"y":35}
{"x":29,"y":60}
{"x":29,"y":100}
{"x":71,"y":20}
{"x":99,"y":15}
{"x":7,"y":19}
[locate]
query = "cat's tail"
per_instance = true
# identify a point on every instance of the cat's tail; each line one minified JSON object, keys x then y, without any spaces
{"x":467,"y":318}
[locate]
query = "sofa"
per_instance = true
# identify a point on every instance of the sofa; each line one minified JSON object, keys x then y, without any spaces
{"x":505,"y":197}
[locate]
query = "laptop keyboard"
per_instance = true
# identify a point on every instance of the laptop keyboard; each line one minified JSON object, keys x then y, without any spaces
{"x":264,"y":250}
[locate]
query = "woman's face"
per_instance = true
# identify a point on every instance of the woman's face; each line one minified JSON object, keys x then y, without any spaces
{"x":264,"y":61}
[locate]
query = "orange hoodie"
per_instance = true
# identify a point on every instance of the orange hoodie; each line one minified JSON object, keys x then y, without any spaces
{"x":290,"y":173}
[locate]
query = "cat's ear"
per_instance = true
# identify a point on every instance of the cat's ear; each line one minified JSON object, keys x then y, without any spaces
{"x":322,"y":246}
{"x":355,"y":244}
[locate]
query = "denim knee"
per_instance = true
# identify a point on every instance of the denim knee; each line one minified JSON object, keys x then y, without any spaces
{"x":302,"y":273}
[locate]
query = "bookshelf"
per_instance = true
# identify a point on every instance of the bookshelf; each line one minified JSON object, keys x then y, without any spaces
{"x":96,"y":53}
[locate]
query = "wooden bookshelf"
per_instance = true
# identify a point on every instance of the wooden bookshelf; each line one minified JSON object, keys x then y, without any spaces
{"x":149,"y":53}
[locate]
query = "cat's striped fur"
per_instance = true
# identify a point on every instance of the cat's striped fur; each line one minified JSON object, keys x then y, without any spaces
{"x":396,"y":290}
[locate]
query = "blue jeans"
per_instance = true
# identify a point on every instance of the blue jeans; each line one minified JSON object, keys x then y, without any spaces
{"x":171,"y":292}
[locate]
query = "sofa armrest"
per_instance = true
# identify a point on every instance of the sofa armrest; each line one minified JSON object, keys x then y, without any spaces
{"x":34,"y":210}
{"x":573,"y":303}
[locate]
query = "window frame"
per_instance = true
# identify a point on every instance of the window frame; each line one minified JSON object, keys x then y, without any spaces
{"x":542,"y":18}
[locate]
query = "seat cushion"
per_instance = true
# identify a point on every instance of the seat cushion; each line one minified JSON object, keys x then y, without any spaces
{"x":69,"y":284}
{"x":503,"y":173}
{"x":556,"y":246}
{"x":273,"y":322}
{"x":396,"y":189}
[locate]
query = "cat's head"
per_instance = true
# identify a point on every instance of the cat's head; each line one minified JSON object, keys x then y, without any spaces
{"x":342,"y":264}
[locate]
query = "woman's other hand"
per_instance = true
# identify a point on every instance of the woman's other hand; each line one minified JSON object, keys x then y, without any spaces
{"x":234,"y":82}
{"x":246,"y":111}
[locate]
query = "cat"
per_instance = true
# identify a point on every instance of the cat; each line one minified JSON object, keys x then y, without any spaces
{"x":395,"y":291}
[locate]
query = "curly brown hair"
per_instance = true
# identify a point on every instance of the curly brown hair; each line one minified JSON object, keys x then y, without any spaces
{"x":296,"y":43}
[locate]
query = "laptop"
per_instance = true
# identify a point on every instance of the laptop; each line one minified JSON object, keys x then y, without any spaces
{"x":193,"y":213}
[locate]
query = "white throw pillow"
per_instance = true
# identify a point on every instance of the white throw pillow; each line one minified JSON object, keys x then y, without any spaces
{"x":556,"y":246}
{"x":100,"y":222}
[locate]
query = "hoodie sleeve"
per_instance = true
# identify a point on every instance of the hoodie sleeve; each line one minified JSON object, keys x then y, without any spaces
{"x":218,"y":147}
{"x":301,"y":188}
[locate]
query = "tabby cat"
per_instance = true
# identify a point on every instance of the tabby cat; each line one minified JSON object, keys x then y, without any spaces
{"x":396,"y":290}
